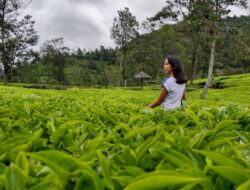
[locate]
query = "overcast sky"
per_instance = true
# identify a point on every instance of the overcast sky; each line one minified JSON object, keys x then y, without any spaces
{"x":86,"y":23}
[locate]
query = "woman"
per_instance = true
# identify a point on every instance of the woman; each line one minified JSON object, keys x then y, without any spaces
{"x":173,"y":87}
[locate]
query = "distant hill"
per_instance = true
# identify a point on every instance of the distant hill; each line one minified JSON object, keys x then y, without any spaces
{"x":147,"y":52}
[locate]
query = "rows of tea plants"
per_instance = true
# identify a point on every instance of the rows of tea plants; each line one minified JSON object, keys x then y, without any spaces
{"x":108,"y":139}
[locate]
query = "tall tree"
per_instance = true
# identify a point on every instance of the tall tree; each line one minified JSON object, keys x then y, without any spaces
{"x":79,"y":54}
{"x":210,"y":20}
{"x":239,"y":49}
{"x":237,"y":44}
{"x":218,"y":10}
{"x":191,"y":13}
{"x":193,"y":27}
{"x":16,"y":35}
{"x":125,"y":28}
{"x":54,"y":55}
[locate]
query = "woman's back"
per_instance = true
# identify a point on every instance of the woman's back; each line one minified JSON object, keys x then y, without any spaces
{"x":175,"y":93}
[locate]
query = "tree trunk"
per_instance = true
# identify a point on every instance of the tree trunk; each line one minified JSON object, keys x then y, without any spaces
{"x":242,"y":61}
{"x":156,"y":77}
{"x":142,"y":83}
{"x":210,"y":70}
{"x":121,"y":71}
{"x":2,"y":26}
{"x":61,"y":76}
{"x":61,"y":70}
{"x":6,"y":76}
{"x":194,"y":64}
{"x":123,"y":67}
{"x":143,"y":62}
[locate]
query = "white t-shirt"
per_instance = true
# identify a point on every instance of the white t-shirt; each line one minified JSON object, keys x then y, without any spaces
{"x":175,"y":93}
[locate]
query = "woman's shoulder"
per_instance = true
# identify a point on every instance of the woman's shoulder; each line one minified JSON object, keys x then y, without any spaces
{"x":165,"y":79}
{"x":169,"y":80}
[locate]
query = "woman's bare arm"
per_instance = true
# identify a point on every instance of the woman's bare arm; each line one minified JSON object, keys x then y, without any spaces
{"x":160,"y":99}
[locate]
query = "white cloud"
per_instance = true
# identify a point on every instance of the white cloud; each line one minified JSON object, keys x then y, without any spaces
{"x":236,"y":11}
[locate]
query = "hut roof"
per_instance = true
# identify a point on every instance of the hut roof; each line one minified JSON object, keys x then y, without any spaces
{"x":142,"y":75}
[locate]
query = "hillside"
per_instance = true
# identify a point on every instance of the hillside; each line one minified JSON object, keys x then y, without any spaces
{"x":77,"y":72}
{"x":146,"y":52}
{"x":234,"y":89}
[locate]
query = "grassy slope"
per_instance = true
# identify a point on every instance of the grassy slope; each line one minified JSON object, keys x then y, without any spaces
{"x":236,"y":90}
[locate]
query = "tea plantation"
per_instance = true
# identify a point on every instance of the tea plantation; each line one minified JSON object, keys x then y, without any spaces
{"x":109,"y":139}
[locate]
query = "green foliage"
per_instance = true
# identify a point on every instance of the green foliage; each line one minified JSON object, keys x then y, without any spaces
{"x":106,"y":139}
{"x":14,"y":178}
{"x":124,"y":30}
{"x":17,"y":35}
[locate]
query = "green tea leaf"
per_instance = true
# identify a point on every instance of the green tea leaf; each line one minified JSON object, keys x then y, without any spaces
{"x":89,"y":181}
{"x":156,"y":180}
{"x":14,"y":178}
{"x":235,"y":175}
{"x":244,"y":186}
{"x":221,"y":159}
{"x":105,"y":169}
{"x":23,"y":163}
{"x":61,"y":163}
{"x":48,"y":185}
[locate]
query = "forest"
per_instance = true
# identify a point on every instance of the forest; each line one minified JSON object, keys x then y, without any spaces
{"x":188,"y":39}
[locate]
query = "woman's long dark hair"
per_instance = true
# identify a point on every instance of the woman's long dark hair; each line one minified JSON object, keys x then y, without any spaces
{"x":177,"y":70}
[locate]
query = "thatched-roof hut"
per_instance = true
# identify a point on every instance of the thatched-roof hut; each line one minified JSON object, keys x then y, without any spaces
{"x":142,"y":75}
